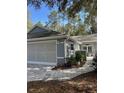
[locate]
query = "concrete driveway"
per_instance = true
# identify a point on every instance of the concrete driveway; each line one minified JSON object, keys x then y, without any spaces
{"x":44,"y":72}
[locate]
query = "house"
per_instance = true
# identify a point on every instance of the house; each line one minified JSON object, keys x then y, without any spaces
{"x":50,"y":47}
{"x":88,"y":43}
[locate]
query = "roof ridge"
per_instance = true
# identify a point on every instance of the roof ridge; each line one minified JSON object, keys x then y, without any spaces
{"x":43,"y":27}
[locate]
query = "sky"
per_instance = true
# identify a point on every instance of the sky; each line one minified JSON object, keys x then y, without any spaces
{"x":41,"y":15}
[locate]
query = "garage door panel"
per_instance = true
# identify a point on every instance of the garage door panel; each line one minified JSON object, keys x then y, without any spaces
{"x":43,"y":51}
{"x":51,"y":58}
{"x":31,"y":52}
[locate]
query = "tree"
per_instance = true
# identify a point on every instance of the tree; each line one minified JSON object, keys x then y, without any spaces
{"x":72,"y":26}
{"x":75,"y":26}
{"x":29,"y":22}
{"x":53,"y":21}
{"x":72,"y":7}
{"x":68,"y":28}
{"x":56,"y":21}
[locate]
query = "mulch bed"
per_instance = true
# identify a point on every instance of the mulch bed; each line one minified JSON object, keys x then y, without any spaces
{"x":85,"y":83}
{"x":66,"y":66}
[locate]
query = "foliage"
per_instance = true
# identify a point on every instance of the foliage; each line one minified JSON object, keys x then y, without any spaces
{"x":77,"y":26}
{"x":78,"y":56}
{"x":73,"y":26}
{"x":53,"y":20}
{"x":71,"y":8}
{"x":83,"y":55}
{"x":29,"y":22}
{"x":71,"y":61}
{"x":56,"y":21}
{"x":29,"y":25}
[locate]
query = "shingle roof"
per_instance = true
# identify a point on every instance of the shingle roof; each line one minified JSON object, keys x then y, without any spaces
{"x":83,"y":38}
{"x":39,"y":31}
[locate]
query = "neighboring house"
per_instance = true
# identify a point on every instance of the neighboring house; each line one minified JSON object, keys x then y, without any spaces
{"x":49,"y":47}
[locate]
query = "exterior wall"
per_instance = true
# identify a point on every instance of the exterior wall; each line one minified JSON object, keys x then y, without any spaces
{"x":60,"y":51}
{"x":61,"y":61}
{"x":60,"y":48}
{"x":54,"y":51}
{"x":68,"y":51}
{"x":94,"y":47}
{"x":77,"y":47}
{"x":64,"y":51}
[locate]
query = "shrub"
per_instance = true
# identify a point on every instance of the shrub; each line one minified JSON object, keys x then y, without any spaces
{"x":78,"y":56}
{"x":71,"y":60}
{"x":83,"y":55}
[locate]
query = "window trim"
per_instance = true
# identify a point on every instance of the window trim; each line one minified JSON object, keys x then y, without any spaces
{"x":87,"y":48}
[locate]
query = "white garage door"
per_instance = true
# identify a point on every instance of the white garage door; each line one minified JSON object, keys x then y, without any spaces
{"x":42,"y":51}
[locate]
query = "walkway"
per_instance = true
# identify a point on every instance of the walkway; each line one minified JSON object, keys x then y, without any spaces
{"x":40,"y":72}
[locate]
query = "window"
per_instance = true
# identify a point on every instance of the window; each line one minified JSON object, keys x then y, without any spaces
{"x":85,"y":48}
{"x":72,"y":46}
{"x":89,"y":49}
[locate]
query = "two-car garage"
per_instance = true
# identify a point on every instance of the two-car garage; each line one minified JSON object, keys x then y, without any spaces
{"x":42,"y":52}
{"x":45,"y":46}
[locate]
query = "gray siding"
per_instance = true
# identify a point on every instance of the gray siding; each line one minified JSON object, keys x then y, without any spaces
{"x":60,"y":50}
{"x":60,"y":61}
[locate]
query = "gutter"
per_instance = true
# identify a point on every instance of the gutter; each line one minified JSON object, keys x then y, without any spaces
{"x":47,"y":38}
{"x":89,"y":41}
